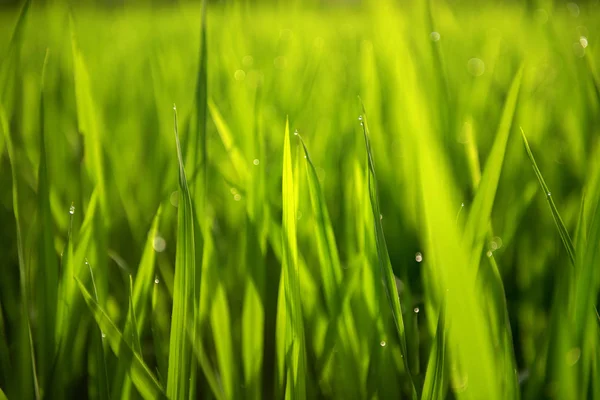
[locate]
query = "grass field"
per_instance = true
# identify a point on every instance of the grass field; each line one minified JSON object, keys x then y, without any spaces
{"x":386,"y":200}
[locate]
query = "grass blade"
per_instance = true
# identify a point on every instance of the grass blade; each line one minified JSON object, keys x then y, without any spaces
{"x":481,"y":208}
{"x":385,"y":265}
{"x":178,"y":386}
{"x":234,"y":153}
{"x":290,"y":325}
{"x":562,"y":230}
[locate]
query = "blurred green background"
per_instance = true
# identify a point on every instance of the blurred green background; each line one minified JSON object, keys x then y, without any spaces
{"x":434,"y":78}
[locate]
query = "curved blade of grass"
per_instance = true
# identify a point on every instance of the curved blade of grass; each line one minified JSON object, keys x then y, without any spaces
{"x":141,"y":376}
{"x":180,"y":348}
{"x":562,"y":230}
{"x":385,"y":265}
{"x":434,"y":387}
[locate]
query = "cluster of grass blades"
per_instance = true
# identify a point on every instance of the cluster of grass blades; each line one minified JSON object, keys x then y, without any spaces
{"x":215,"y":253}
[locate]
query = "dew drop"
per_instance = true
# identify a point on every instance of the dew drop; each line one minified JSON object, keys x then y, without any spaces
{"x":418,"y":257}
{"x":360,"y":117}
{"x":476,"y":67}
{"x":256,"y":161}
{"x":159,"y":244}
{"x":549,"y":194}
{"x":583,"y":41}
{"x":156,"y":281}
{"x":296,"y":132}
{"x":237,"y":197}
{"x":72,"y":209}
{"x":380,"y":217}
{"x":489,"y":253}
{"x":103,"y":335}
{"x":382,"y":343}
{"x":239,"y":75}
{"x":416,"y":310}
{"x":434,"y":36}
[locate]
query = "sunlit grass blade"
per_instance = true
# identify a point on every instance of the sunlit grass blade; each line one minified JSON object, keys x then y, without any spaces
{"x":196,"y":157}
{"x":141,"y":376}
{"x":562,"y":230}
{"x":436,"y":380}
{"x":385,"y":265}
{"x":234,"y":153}
{"x":180,"y":346}
{"x":291,"y":351}
{"x":328,"y":254}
